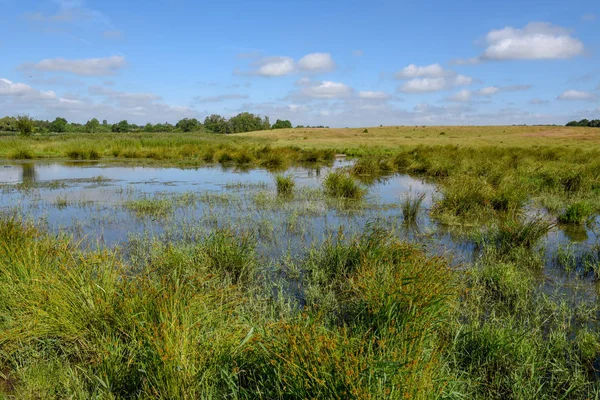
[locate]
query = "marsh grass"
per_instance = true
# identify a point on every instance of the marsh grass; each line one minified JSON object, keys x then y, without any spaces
{"x":150,"y":207}
{"x":576,"y":213}
{"x":285,"y":185}
{"x":21,"y":154}
{"x":341,"y":185}
{"x":410,"y":205}
{"x":514,"y":234}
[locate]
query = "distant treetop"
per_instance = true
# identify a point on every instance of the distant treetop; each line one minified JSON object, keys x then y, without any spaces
{"x":595,"y":123}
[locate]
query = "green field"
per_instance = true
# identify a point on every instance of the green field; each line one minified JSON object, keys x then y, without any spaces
{"x":366,"y":315}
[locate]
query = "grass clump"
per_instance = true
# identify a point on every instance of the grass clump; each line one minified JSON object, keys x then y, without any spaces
{"x":341,"y":185}
{"x":514,"y":233}
{"x":576,"y":213}
{"x":410,"y":206}
{"x":285,"y":185}
{"x":150,"y":207}
{"x":79,"y":154}
{"x":21,"y":154}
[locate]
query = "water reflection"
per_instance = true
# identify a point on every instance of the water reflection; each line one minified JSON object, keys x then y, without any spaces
{"x":28,"y":173}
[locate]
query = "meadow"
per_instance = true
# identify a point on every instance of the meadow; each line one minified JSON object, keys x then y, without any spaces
{"x":425,"y":263}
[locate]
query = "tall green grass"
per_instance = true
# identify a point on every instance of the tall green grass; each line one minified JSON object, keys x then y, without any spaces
{"x":341,"y":185}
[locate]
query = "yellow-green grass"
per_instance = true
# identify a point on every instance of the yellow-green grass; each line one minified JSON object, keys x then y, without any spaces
{"x":390,"y":137}
{"x":197,"y":148}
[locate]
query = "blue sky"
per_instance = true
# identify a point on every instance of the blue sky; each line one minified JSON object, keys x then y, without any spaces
{"x":337,"y":63}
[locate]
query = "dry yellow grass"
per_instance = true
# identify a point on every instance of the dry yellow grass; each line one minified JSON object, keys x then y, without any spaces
{"x":392,"y":136}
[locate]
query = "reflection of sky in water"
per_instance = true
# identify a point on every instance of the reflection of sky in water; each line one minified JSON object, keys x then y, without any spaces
{"x":94,"y":214}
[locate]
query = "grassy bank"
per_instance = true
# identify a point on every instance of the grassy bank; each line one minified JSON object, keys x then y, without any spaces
{"x":375,"y":318}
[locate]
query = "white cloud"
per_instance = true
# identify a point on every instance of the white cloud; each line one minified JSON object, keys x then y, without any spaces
{"x":576,"y":95}
{"x":283,"y":66}
{"x":536,"y":41}
{"x":326,"y":90}
{"x":275,"y":66}
{"x":428,"y":71}
{"x":220,"y":98}
{"x":316,"y":62}
{"x":370,"y":95}
{"x":10,"y":88}
{"x":425,"y":85}
{"x":429,"y":78}
{"x":464,"y":96}
{"x":489,"y":91}
{"x":85,"y":67}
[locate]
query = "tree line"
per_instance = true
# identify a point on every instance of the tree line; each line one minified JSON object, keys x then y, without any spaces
{"x":243,"y":122}
{"x":595,"y":123}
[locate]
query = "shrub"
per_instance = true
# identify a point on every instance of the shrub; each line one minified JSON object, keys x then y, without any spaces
{"x":25,"y":125}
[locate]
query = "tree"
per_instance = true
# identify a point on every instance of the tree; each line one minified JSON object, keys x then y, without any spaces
{"x":572,"y":123}
{"x":188,"y":125}
{"x":8,"y":124}
{"x":148,"y":127}
{"x":92,"y":125}
{"x":104,"y":122}
{"x":266,"y":124}
{"x":279,"y":124}
{"x":59,"y":125}
{"x":215,"y":123}
{"x":245,"y":122}
{"x":24,"y":125}
{"x":122,"y":126}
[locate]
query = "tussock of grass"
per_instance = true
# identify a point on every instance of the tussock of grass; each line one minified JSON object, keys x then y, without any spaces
{"x":150,"y":207}
{"x":285,"y":185}
{"x":513,"y":233}
{"x":340,"y":185}
{"x":410,"y":206}
{"x":21,"y":154}
{"x":576,"y":213}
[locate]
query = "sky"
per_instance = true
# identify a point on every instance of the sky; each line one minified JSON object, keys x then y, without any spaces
{"x":330,"y":62}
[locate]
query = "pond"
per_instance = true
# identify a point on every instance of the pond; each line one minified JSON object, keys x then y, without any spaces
{"x":107,"y":205}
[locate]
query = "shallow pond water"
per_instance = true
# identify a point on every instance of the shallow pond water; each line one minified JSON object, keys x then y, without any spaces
{"x":107,"y":205}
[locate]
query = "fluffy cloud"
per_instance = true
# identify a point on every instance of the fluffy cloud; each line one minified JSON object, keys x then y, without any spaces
{"x":576,"y":95}
{"x":429,"y":78}
{"x":465,"y":96}
{"x":220,"y":98}
{"x":536,"y":41}
{"x":282,"y":66}
{"x":429,"y":71}
{"x":370,"y":95}
{"x":85,"y":67}
{"x":324,"y":90}
{"x":316,"y":62}
{"x":23,"y":91}
{"x":17,"y":98}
